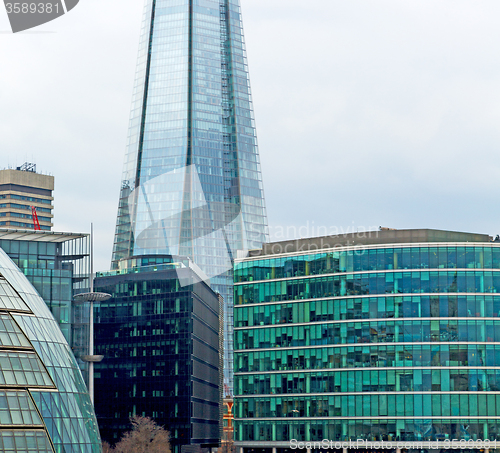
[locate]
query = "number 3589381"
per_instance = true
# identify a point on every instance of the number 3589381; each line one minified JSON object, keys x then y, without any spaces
{"x":32,"y":8}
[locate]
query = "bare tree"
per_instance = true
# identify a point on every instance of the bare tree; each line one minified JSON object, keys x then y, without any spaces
{"x":106,"y":448}
{"x":227,"y":446}
{"x":145,"y":437}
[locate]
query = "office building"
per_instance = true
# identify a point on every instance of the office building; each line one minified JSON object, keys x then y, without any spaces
{"x":391,"y":335}
{"x":162,"y":357}
{"x":21,"y":191}
{"x":192,"y":182}
{"x":58,"y":266}
{"x":44,"y":404}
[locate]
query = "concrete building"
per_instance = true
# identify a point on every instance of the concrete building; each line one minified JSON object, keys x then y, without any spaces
{"x":389,"y":336}
{"x":20,"y":191}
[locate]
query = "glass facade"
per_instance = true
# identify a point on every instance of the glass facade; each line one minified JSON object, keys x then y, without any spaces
{"x":162,"y":354}
{"x":192,"y":182}
{"x":375,"y":342}
{"x":58,"y":266}
{"x":44,"y":404}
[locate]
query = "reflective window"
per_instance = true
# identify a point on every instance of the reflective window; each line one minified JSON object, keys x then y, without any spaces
{"x":10,"y":333}
{"x":24,"y":442}
{"x":17,"y":408}
{"x":23,"y":369}
{"x":9,"y":298}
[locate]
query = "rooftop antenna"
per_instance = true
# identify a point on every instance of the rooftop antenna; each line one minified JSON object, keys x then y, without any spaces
{"x":27,"y":166}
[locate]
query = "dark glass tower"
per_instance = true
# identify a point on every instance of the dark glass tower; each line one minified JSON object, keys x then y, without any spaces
{"x":192,"y":184}
{"x":161,"y":343}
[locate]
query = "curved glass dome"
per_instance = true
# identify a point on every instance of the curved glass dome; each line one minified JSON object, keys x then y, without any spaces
{"x":44,"y":404}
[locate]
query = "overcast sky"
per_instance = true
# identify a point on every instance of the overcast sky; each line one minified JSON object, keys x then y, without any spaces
{"x":368,"y":112}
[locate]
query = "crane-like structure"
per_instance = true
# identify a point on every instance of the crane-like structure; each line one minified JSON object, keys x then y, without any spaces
{"x":36,"y":223}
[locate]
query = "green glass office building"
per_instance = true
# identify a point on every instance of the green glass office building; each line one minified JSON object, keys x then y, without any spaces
{"x":391,"y":335}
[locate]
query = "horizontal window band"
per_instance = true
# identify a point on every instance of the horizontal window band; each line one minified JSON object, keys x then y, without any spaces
{"x":348,"y":248}
{"x":368,"y":445}
{"x":354,"y":345}
{"x":307,"y":395}
{"x":366,"y":320}
{"x":362,"y":296}
{"x":444,"y":418}
{"x":381,"y":271}
{"x":335,"y":370}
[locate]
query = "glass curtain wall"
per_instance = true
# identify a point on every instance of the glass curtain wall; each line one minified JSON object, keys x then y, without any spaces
{"x":404,"y":338}
{"x":192,"y":183}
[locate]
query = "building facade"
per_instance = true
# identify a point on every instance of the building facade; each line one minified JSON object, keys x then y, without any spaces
{"x":44,"y":404}
{"x":382,"y":336}
{"x":192,"y":182}
{"x":58,"y":266}
{"x":162,"y":357}
{"x":20,"y":191}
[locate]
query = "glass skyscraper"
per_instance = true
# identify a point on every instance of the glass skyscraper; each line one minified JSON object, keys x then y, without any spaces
{"x":192,"y":183}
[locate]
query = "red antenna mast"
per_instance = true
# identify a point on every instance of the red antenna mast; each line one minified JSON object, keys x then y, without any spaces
{"x":36,"y":223}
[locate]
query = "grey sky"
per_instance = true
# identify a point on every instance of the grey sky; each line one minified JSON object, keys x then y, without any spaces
{"x":368,"y":112}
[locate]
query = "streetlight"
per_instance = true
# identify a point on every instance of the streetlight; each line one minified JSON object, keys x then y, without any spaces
{"x":91,"y":297}
{"x":91,"y":358}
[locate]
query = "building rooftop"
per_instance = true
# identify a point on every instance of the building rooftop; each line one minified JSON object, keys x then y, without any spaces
{"x":181,"y":265}
{"x":38,"y":236}
{"x":382,"y":236}
{"x":26,"y":178}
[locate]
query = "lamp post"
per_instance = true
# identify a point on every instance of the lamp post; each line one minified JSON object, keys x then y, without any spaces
{"x":91,"y":358}
{"x":91,"y":297}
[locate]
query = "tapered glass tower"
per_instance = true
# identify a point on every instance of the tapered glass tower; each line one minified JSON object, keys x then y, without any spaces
{"x":192,"y":183}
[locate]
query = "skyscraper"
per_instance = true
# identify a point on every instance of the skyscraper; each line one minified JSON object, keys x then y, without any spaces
{"x":191,"y":183}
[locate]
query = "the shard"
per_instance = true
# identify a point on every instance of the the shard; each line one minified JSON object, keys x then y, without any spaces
{"x":192,"y":182}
